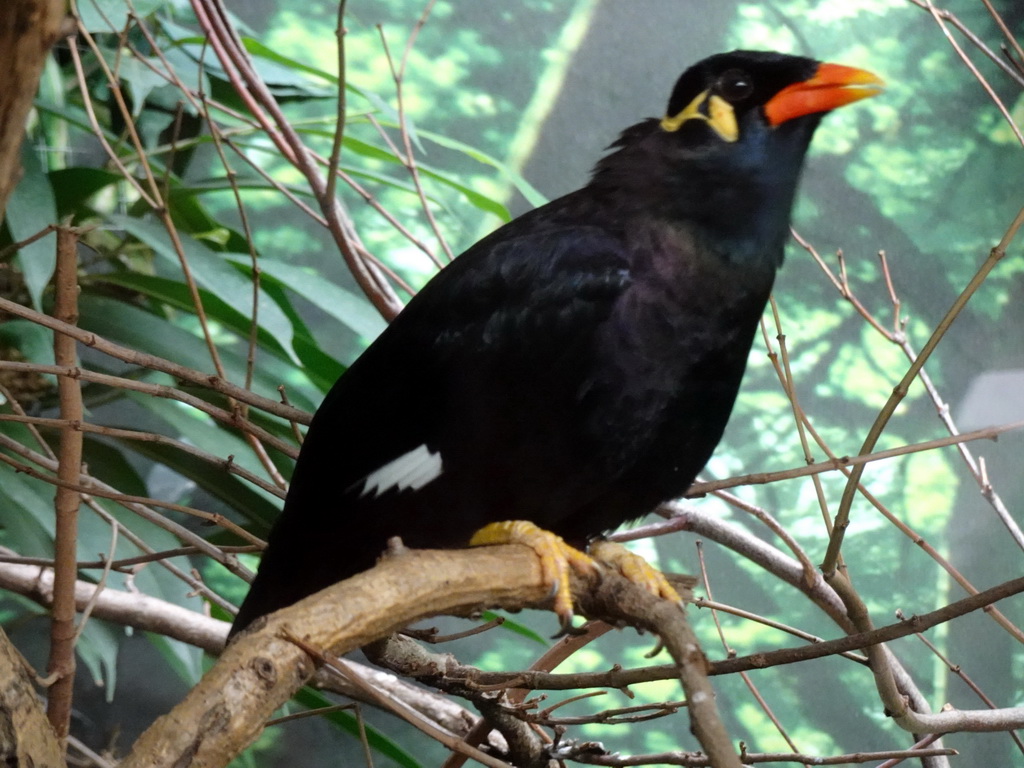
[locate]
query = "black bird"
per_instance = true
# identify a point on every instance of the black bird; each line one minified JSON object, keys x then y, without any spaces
{"x":576,"y":367}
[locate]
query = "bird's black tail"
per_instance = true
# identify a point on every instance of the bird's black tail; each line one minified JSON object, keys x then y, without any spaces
{"x":301,"y":559}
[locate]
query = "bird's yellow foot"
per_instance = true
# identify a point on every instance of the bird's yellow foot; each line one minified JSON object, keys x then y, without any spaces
{"x":556,"y":558}
{"x":635,"y":569}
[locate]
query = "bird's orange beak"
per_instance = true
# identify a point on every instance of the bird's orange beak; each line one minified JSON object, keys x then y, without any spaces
{"x":832,"y":86}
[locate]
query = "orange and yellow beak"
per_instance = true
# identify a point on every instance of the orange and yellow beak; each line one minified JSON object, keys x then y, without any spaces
{"x":832,"y":86}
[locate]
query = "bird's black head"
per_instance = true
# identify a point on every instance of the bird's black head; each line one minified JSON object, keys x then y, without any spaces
{"x":728,"y":153}
{"x":727,"y":93}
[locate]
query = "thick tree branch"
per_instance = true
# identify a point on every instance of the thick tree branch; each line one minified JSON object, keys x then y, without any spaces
{"x":26,"y":737}
{"x":151,"y":614}
{"x":262,"y":669}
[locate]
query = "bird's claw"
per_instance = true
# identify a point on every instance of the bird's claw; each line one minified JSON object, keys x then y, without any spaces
{"x":635,"y":569}
{"x":566,"y":627}
{"x":557,"y":559}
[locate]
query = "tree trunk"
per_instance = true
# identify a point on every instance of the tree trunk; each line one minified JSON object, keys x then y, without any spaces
{"x":28,"y":28}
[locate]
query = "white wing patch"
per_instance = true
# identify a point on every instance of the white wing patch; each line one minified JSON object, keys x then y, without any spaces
{"x":411,"y":470}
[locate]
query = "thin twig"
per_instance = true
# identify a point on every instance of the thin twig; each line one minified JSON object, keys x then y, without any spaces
{"x":93,"y":486}
{"x":843,"y":514}
{"x":214,"y":19}
{"x":227,"y":465}
{"x":761,"y":702}
{"x":957,"y":670}
{"x":840,"y":463}
{"x":135,"y":357}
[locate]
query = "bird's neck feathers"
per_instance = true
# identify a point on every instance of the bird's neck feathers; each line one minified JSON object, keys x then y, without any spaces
{"x":737,"y":197}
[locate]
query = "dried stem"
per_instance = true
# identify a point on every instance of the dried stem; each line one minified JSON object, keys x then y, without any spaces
{"x":214,"y":19}
{"x":758,"y":697}
{"x":60,"y":666}
{"x":135,"y":357}
{"x":843,"y":514}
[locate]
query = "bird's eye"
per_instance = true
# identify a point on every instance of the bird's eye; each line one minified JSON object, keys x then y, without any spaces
{"x":734,"y":85}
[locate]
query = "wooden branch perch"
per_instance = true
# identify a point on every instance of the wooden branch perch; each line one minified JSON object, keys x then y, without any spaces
{"x":26,"y":737}
{"x":262,"y":669}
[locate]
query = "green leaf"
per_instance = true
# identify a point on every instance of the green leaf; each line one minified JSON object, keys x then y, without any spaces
{"x":250,"y":503}
{"x":33,"y":341}
{"x":97,"y":648}
{"x":136,"y":328}
{"x":350,"y":309}
{"x":285,"y":77}
{"x":532,"y":195}
{"x":190,"y":216}
{"x":73,"y":187}
{"x":112,"y":15}
{"x":515,"y":627}
{"x":31,"y":209}
{"x":322,"y":369}
{"x":111,"y":465}
{"x":184,"y":659}
{"x":475,"y":198}
{"x":213,"y":272}
{"x":313,"y":699}
{"x":28,"y":522}
{"x":285,"y":69}
{"x":177,"y":295}
{"x":141,"y":80}
{"x":484,"y":203}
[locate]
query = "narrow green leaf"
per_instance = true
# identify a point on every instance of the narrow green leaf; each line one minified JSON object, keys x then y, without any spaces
{"x":184,"y":659}
{"x":97,"y":648}
{"x":176,"y":294}
{"x":515,"y":627}
{"x":533,"y":196}
{"x":112,"y":15}
{"x":191,"y":216}
{"x":477,"y":199}
{"x":27,"y":523}
{"x":286,"y":64}
{"x":213,"y":272}
{"x":134,"y":327}
{"x":30,"y":209}
{"x":33,"y":341}
{"x":73,"y":187}
{"x":313,"y":699}
{"x":322,"y":369}
{"x":140,"y":80}
{"x":250,"y":503}
{"x":353,"y":311}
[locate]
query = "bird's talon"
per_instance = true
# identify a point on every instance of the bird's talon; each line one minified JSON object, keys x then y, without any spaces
{"x":658,"y":648}
{"x":635,"y":569}
{"x":556,"y":560}
{"x":567,"y":628}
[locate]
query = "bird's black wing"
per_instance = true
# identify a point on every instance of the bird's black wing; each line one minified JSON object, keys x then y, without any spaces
{"x":466,"y":410}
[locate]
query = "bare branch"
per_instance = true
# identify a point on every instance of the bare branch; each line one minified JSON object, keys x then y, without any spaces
{"x":60,"y":667}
